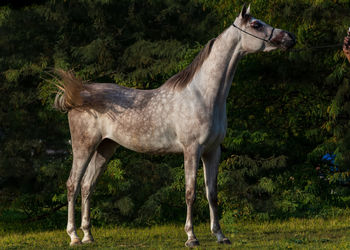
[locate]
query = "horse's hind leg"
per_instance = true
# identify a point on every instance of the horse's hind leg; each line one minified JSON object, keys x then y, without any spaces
{"x":81,"y":158}
{"x":85,"y":139}
{"x":210,"y":164}
{"x":96,"y":167}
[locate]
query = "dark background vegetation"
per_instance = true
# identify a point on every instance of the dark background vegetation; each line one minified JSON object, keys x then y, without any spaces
{"x":285,"y":109}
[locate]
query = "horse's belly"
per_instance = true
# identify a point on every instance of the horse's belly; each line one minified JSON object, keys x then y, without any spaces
{"x":151,"y":145}
{"x":146,"y":140}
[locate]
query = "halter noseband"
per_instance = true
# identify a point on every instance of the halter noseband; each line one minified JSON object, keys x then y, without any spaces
{"x":265,"y":40}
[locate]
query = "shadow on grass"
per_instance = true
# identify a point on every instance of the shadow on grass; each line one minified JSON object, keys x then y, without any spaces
{"x":15,"y":221}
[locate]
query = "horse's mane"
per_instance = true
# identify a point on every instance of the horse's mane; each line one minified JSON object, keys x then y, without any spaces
{"x":184,"y":77}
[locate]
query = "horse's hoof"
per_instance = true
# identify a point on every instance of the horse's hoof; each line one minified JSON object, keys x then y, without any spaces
{"x":192,"y":243}
{"x":225,"y":241}
{"x":75,"y":242}
{"x":87,"y":240}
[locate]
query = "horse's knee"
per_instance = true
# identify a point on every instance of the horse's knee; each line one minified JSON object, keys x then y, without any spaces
{"x":190,"y":196}
{"x":85,"y":190}
{"x":70,"y":189}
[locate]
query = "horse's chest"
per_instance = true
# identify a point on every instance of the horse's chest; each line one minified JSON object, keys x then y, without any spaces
{"x":214,"y":131}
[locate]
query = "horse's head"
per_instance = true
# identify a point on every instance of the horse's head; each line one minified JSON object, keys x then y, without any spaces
{"x":259,"y":36}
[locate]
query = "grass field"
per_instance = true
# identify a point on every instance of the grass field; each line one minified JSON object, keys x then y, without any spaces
{"x":293,"y":233}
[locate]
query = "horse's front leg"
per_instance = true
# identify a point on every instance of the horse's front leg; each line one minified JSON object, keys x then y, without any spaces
{"x":191,"y":159}
{"x":210,"y":164}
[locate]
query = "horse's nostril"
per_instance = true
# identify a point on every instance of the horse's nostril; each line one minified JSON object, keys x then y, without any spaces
{"x":292,"y":36}
{"x":291,"y":41}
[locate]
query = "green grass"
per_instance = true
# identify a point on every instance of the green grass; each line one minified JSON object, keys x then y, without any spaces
{"x":293,"y":233}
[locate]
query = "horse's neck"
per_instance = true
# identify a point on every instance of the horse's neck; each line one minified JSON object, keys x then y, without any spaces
{"x":215,"y":76}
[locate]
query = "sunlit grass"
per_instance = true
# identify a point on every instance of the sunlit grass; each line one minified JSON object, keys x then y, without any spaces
{"x":293,"y":233}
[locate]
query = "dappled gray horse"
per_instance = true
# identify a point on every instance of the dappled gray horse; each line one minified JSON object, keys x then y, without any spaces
{"x":186,"y":114}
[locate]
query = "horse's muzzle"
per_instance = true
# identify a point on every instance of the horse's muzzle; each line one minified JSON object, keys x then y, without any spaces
{"x":284,"y":40}
{"x":290,"y":41}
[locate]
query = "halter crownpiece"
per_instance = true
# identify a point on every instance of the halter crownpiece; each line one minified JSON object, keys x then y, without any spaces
{"x":265,"y":40}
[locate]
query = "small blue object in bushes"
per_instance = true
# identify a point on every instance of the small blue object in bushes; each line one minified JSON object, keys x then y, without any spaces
{"x":329,"y":158}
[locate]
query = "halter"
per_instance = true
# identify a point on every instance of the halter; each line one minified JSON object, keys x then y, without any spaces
{"x":265,"y":40}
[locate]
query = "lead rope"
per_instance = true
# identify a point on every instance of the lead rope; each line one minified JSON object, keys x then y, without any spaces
{"x":328,"y":46}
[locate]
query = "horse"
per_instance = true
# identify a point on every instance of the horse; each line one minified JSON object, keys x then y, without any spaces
{"x":187,"y":114}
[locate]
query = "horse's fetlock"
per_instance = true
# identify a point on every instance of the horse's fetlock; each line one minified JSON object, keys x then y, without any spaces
{"x":70,"y":230}
{"x":215,"y":230}
{"x":188,"y":228}
{"x":85,"y":227}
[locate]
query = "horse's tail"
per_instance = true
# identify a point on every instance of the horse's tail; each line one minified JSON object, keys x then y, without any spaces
{"x":69,"y":95}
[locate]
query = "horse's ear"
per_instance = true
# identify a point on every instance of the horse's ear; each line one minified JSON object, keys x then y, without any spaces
{"x":248,"y":10}
{"x":245,"y":12}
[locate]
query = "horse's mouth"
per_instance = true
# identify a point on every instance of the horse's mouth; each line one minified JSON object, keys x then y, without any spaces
{"x":290,"y":43}
{"x":284,"y":41}
{"x":286,"y":47}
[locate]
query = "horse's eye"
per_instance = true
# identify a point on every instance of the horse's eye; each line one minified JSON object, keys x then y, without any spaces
{"x":256,"y":25}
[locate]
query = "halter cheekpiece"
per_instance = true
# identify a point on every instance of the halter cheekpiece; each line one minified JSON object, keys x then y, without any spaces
{"x":265,"y":40}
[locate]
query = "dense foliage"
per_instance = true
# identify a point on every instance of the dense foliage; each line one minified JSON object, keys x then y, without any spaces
{"x":285,"y":109}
